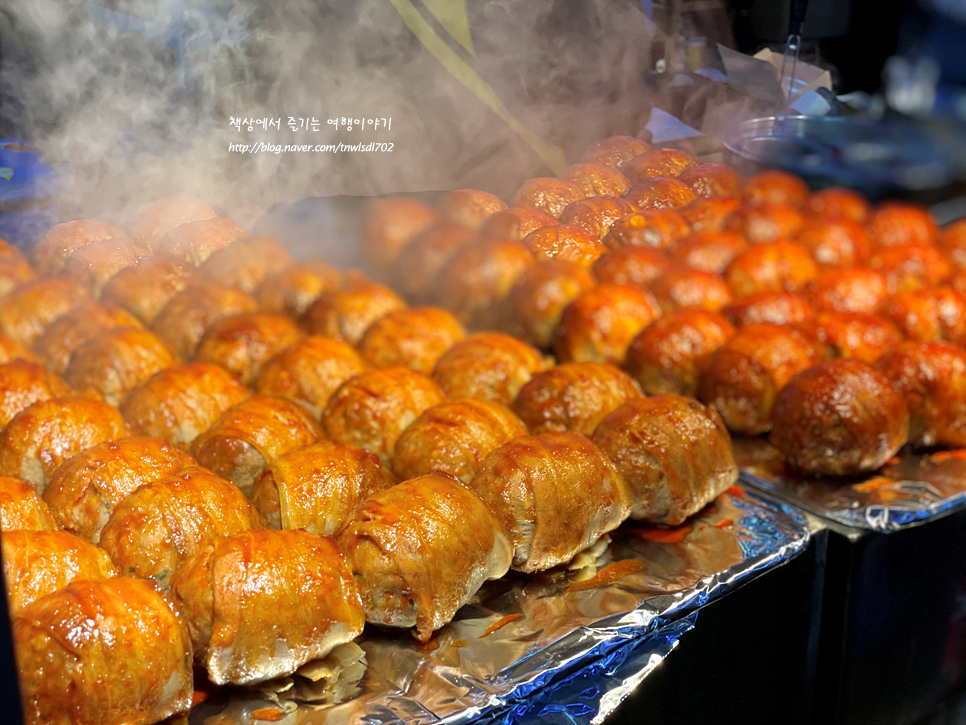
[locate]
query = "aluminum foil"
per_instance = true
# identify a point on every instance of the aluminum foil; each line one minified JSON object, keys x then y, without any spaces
{"x":909,"y":490}
{"x":574,"y":654}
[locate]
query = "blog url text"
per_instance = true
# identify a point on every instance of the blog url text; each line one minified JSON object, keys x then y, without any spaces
{"x":332,"y":148}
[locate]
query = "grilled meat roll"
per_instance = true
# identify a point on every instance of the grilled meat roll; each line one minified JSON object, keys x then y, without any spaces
{"x":22,"y":508}
{"x":426,"y":257}
{"x":14,"y":273}
{"x":157,"y":219}
{"x":11,"y":350}
{"x":31,"y":308}
{"x":836,"y":201}
{"x":547,"y":194}
{"x":858,"y":289}
{"x":347,"y":312}
{"x":909,"y":267}
{"x":242,"y":344}
{"x":596,"y":180}
{"x":631,"y":265}
{"x":851,"y":335}
{"x":193,"y":242}
{"x":293,"y":290}
{"x":770,"y":267}
{"x":146,"y":287}
{"x":709,"y":214}
{"x":657,"y":162}
{"x":897,"y":223}
{"x":656,"y":228}
{"x":188,"y":315}
{"x":245,"y":263}
{"x":835,"y":241}
{"x":470,"y":207}
{"x":96,"y":263}
{"x":413,"y":338}
{"x":775,"y":187}
{"x":597,"y":214}
{"x":515,"y":223}
{"x":541,"y":293}
{"x":933,"y":313}
{"x":687,"y":288}
{"x":952,"y":240}
{"x":760,"y":223}
{"x":712,"y":179}
{"x":389,"y":226}
{"x":51,"y":252}
{"x":614,"y":151}
{"x":778,"y":308}
{"x":24,"y":383}
{"x":708,"y":250}
{"x":564,"y":242}
{"x":58,"y":343}
{"x":660,"y":192}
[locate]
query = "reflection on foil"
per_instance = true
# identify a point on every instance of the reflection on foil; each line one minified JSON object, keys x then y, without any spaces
{"x":582,"y":651}
{"x":906,"y":491}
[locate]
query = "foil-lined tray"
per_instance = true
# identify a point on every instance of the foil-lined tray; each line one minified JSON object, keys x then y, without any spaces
{"x":909,"y":490}
{"x":578,"y":637}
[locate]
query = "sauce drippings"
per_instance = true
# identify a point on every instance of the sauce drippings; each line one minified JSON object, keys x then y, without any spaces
{"x":663,"y":536}
{"x":736,"y":490}
{"x":268,"y":714}
{"x":500,"y":624}
{"x":608,"y":574}
{"x":724,"y":524}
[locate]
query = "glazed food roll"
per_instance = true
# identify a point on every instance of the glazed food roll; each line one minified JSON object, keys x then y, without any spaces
{"x":347,"y":312}
{"x":851,"y":335}
{"x":10,"y":350}
{"x":155,"y":220}
{"x":47,"y":433}
{"x":293,"y":290}
{"x":477,"y":281}
{"x":38,"y":563}
{"x":413,"y":338}
{"x":839,"y":418}
{"x":87,"y":488}
{"x":246,"y":263}
{"x":21,"y":507}
{"x":194,"y":242}
{"x":931,"y":378}
{"x":158,"y":527}
{"x":666,"y":357}
{"x":857,"y":289}
{"x":372,"y":409}
{"x":146,"y":287}
{"x":542,"y":292}
{"x":600,"y":324}
{"x":839,"y":202}
{"x":673,"y":453}
{"x":24,"y":383}
{"x":660,"y":192}
{"x":421,"y":549}
{"x":597,"y":214}
{"x":319,"y":488}
{"x":712,"y":179}
{"x":743,"y":376}
{"x":555,"y":494}
{"x":710,"y":214}
{"x":909,"y":267}
{"x":487,"y":366}
{"x":773,"y":266}
{"x":454,"y":437}
{"x":515,"y":223}
{"x":9,"y":252}
{"x":95,"y":264}
{"x":659,"y":228}
{"x":683,"y":287}
{"x":614,"y":151}
{"x":631,"y":265}
{"x":251,"y":435}
{"x":118,"y":361}
{"x":470,"y":207}
{"x":187,"y":316}
{"x":933,"y":313}
{"x":181,"y":402}
{"x":778,"y":308}
{"x":58,"y":343}
{"x":14,"y":273}
{"x":952,"y":240}
{"x":260,"y":604}
{"x":597,"y":180}
{"x":775,"y":187}
{"x":895,"y":223}
{"x":657,"y":162}
{"x":427,"y":256}
{"x":62,"y":240}
{"x":766,"y":222}
{"x":547,"y":194}
{"x":564,"y":242}
{"x":390,"y":225}
{"x":708,"y":250}
{"x":573,"y":397}
{"x":112,"y":652}
{"x":243,"y":343}
{"x":835,"y":241}
{"x":31,"y":308}
{"x":310,"y":371}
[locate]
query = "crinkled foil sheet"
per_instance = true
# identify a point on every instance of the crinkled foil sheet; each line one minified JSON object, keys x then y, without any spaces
{"x":571,"y":656}
{"x":909,"y":490}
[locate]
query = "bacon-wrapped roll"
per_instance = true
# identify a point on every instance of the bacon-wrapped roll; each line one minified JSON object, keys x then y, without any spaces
{"x":839,"y":418}
{"x":470,"y":207}
{"x":37,"y":563}
{"x":47,"y":433}
{"x":118,"y":361}
{"x":30,"y":309}
{"x":515,"y":223}
{"x":152,"y":533}
{"x":555,"y":494}
{"x":766,"y":222}
{"x":710,"y":214}
{"x":542,"y":292}
{"x":596,"y":214}
{"x":775,"y":187}
{"x":21,"y":507}
{"x":10,"y":350}
{"x":852,"y":335}
{"x":687,"y":288}
{"x":600,"y":324}
{"x":597,"y":180}
{"x":858,"y":289}
{"x":112,"y":652}
{"x":347,"y":312}
{"x":157,"y":219}
{"x":454,"y":437}
{"x":262,"y":603}
{"x":96,"y":263}
{"x":952,"y":241}
{"x":146,"y":287}
{"x":58,"y":343}
{"x":778,"y":308}
{"x":245,"y":263}
{"x":712,"y":179}
{"x":573,"y":397}
{"x":24,"y":383}
{"x":414,"y":338}
{"x":614,"y":151}
{"x":658,"y":228}
{"x":87,"y":488}
{"x":62,"y":240}
{"x":14,"y":273}
{"x":293,"y":290}
{"x":773,"y":266}
{"x":319,"y":488}
{"x":631,"y":265}
{"x":933,"y":313}
{"x":564,"y":242}
{"x":477,"y":281}
{"x":896,"y":223}
{"x":487,"y":366}
{"x":372,"y":409}
{"x":194,"y":242}
{"x":421,"y":549}
{"x":188,"y":315}
{"x":666,"y":357}
{"x":673,"y":453}
{"x":251,"y":435}
{"x":835,"y":241}
{"x":839,"y":202}
{"x":242,"y":344}
{"x":390,"y":225}
{"x":547,"y":194}
{"x":426,"y":257}
{"x":657,"y":162}
{"x":709,"y":251}
{"x":909,"y":267}
{"x":660,"y":192}
{"x":743,"y":376}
